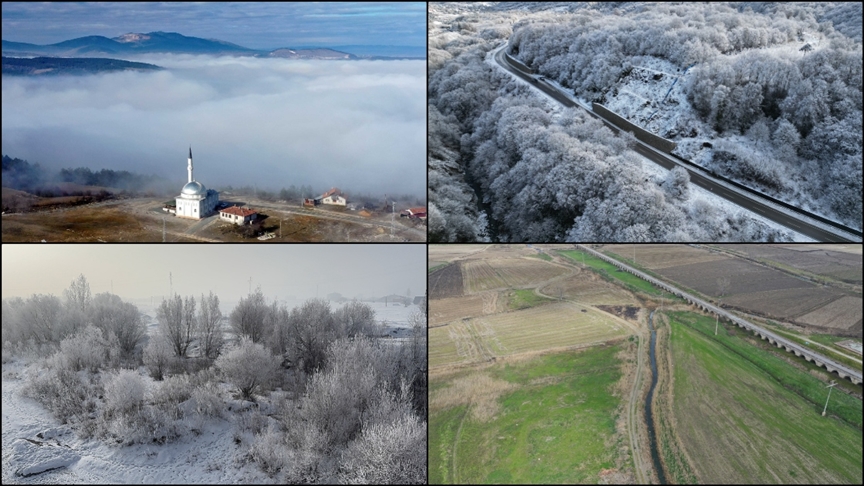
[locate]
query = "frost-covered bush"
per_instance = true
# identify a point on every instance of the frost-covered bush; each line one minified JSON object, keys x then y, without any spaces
{"x":208,"y":400}
{"x":248,"y":366}
{"x":124,"y":392}
{"x":389,"y":453}
{"x":269,"y":450}
{"x":157,"y":356}
{"x":172,"y":391}
{"x":69,"y":395}
{"x":87,"y":349}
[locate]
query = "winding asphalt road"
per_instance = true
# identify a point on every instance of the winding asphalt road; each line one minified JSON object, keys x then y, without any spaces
{"x":697,"y":177}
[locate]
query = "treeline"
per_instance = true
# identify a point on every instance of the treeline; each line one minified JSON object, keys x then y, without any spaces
{"x":296,"y":193}
{"x":334,"y":401}
{"x":33,"y":178}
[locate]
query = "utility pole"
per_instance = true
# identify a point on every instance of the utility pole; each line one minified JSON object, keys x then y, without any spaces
{"x":392,"y":219}
{"x":163,"y":229}
{"x":250,"y":285}
{"x":171,"y":284}
{"x":833,"y":383}
{"x":280,"y":228}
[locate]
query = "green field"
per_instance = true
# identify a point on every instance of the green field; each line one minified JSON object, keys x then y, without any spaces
{"x":554,"y":421}
{"x":524,"y":298}
{"x":542,"y":256}
{"x":604,"y":268}
{"x":436,"y":266}
{"x":745,"y":415}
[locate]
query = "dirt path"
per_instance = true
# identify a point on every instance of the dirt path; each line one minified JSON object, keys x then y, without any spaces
{"x":633,"y":417}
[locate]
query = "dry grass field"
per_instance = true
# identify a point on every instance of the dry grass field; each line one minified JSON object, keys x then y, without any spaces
{"x":554,"y":326}
{"x":499,"y":273}
{"x":836,"y":261}
{"x":588,"y":288}
{"x":442,"y":311}
{"x":448,"y":253}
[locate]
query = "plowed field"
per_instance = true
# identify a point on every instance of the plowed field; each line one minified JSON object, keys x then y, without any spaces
{"x":840,"y":314}
{"x":446,"y":282}
{"x":481,"y":275}
{"x":662,"y":256}
{"x":588,"y":288}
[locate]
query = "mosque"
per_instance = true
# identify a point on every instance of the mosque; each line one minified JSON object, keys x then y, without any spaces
{"x":195,"y":201}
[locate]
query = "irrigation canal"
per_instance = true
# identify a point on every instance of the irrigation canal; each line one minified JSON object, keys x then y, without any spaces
{"x":649,"y":422}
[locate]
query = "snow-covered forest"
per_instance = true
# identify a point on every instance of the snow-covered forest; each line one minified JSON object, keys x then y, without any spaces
{"x":767,"y":94}
{"x":306,"y":394}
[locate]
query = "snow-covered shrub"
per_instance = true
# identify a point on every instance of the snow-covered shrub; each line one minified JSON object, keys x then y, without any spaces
{"x":172,"y":391}
{"x":142,"y":426}
{"x":269,"y":451}
{"x":248,"y":366}
{"x":157,"y":356}
{"x":70,"y":395}
{"x":86,"y":349}
{"x":124,"y":392}
{"x":392,"y":453}
{"x":208,"y":400}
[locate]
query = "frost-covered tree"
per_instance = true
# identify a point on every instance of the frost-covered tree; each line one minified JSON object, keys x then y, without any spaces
{"x":176,"y":317}
{"x":357,"y":318}
{"x":248,"y":366}
{"x":109,"y":313}
{"x":312,"y":328}
{"x":248,"y":317}
{"x":677,"y":184}
{"x":209,"y":326}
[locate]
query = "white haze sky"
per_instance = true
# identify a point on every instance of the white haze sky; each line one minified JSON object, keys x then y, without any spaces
{"x":357,"y":125}
{"x":282,"y":271}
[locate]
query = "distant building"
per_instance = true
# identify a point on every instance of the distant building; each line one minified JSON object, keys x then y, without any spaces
{"x":333,"y":197}
{"x":195,"y":201}
{"x":413,"y":213}
{"x":238,"y":215}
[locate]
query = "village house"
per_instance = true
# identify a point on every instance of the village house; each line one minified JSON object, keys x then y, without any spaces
{"x":238,"y":215}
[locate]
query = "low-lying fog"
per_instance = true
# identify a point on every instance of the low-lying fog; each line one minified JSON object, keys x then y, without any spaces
{"x":357,"y":125}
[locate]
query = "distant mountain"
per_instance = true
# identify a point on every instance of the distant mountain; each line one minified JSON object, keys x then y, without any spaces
{"x":47,"y":66}
{"x":128,"y":44}
{"x":172,"y":42}
{"x":310,"y":54}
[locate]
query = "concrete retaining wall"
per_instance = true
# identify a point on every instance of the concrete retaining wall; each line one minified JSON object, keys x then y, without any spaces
{"x":642,"y":135}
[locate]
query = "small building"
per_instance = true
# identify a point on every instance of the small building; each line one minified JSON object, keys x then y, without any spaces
{"x":413,"y":213}
{"x":238,"y":215}
{"x":333,"y":197}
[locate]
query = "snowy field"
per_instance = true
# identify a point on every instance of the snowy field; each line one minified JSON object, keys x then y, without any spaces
{"x":207,"y":457}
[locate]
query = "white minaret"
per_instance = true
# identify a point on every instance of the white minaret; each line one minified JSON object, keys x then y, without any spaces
{"x":189,"y":167}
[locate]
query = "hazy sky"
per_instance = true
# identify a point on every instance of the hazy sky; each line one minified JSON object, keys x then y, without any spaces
{"x":356,"y":125}
{"x":257,"y":25}
{"x":282,"y":271}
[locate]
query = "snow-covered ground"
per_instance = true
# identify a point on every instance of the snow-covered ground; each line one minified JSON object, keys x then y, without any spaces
{"x":204,"y":458}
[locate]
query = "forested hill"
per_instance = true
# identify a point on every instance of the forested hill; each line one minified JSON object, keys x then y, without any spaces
{"x":33,"y":178}
{"x":47,"y":66}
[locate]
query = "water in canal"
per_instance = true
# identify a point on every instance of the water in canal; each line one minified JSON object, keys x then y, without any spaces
{"x":652,"y":434}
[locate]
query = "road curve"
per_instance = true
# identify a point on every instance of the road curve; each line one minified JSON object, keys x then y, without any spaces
{"x":697,"y":177}
{"x":781,"y":342}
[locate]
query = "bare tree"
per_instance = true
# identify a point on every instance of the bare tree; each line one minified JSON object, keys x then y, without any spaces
{"x":277,"y":319}
{"x":209,"y":326}
{"x":177,"y":322}
{"x":248,"y":317}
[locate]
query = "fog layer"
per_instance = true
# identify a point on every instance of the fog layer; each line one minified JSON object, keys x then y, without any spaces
{"x":358,"y":125}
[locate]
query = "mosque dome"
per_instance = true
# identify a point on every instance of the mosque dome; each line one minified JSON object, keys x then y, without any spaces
{"x":194,"y":188}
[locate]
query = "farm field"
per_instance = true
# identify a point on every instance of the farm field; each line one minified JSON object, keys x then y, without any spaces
{"x":753,"y":287}
{"x":442,"y":311}
{"x":547,"y":420}
{"x":835,"y":261}
{"x":631,"y":281}
{"x":742,"y":415}
{"x":588,"y":288}
{"x":552,"y":326}
{"x":448,"y":253}
{"x":500,"y":273}
{"x":445,"y":282}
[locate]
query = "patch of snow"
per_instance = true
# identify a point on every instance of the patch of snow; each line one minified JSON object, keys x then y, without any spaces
{"x":31,"y":458}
